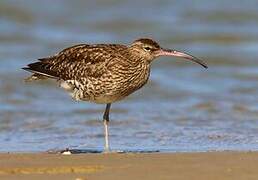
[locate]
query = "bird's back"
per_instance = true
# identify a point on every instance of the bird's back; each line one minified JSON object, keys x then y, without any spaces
{"x":78,"y":61}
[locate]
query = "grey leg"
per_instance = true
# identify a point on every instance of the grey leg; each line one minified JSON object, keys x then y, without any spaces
{"x":106,"y":121}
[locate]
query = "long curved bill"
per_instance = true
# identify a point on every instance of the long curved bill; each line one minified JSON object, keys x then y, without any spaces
{"x":169,"y":52}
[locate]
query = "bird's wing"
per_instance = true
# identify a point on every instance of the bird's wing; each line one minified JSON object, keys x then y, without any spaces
{"x":77,"y":61}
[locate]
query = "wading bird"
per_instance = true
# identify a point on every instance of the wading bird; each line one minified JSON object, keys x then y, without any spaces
{"x":103,"y":73}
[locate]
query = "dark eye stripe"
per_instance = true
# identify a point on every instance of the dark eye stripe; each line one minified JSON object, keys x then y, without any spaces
{"x":147,"y":48}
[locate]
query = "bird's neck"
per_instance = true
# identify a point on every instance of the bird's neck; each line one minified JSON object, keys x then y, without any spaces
{"x":139,"y":74}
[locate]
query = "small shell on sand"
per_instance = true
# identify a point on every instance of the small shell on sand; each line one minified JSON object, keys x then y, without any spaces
{"x":67,"y":152}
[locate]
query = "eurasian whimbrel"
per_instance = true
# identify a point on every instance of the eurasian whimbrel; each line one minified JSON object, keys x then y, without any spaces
{"x":103,"y":73}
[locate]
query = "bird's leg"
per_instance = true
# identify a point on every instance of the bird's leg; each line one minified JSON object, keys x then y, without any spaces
{"x":106,"y":121}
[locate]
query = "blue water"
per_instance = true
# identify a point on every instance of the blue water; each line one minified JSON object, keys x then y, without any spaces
{"x":183,"y":107}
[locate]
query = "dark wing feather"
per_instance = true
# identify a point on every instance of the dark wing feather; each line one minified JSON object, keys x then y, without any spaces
{"x":77,"y":61}
{"x":41,"y":68}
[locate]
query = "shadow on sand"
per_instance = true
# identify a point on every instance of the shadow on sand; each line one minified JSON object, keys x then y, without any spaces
{"x":94,"y":151}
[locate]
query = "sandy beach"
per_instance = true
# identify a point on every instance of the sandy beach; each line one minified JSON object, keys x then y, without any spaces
{"x":194,"y":166}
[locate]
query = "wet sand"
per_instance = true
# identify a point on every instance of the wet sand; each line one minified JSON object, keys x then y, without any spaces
{"x":194,"y":166}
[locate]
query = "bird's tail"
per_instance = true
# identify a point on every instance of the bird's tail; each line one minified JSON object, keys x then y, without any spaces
{"x":40,"y":71}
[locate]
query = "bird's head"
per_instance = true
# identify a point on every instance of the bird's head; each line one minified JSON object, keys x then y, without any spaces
{"x":149,"y":50}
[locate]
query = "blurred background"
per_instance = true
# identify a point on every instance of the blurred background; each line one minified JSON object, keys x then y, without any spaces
{"x":183,"y":107}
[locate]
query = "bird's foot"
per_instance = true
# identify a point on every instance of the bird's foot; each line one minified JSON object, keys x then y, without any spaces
{"x":107,"y":150}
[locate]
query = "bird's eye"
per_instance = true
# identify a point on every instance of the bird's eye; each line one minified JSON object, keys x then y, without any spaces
{"x":147,"y":48}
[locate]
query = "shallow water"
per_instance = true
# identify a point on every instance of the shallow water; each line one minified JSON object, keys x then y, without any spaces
{"x":183,"y":107}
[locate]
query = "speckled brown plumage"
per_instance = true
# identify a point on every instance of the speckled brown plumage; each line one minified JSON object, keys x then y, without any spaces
{"x":102,"y":73}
